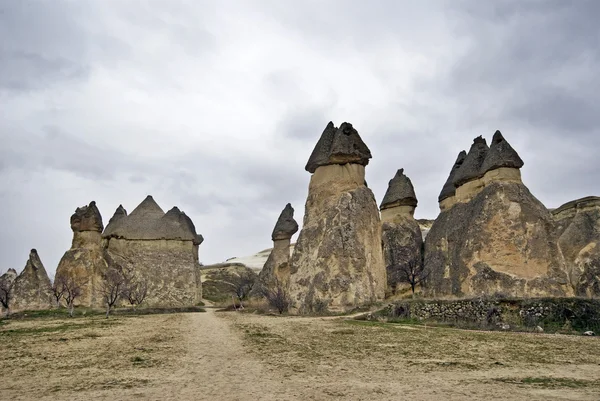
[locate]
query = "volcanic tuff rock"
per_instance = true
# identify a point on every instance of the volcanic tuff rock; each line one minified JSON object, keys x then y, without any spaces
{"x":160,"y":249}
{"x":449,"y":189}
{"x":87,"y":218}
{"x":219,"y":280}
{"x":114,"y":221}
{"x":85,"y":261}
{"x":338,"y":146}
{"x":579,"y":224}
{"x":286,"y":226}
{"x":402,"y":240}
{"x":337,"y":262}
{"x":32,"y":288}
{"x":400,"y":192}
{"x":277,"y":268}
{"x":501,"y":154}
{"x":500,"y":239}
{"x":471,"y":166}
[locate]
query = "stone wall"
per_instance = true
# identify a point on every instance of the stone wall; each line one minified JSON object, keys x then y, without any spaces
{"x":548,"y":313}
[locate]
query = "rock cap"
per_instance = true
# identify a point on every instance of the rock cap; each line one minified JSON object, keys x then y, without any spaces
{"x":286,"y":226}
{"x":400,"y":192}
{"x":449,"y":189}
{"x":338,"y":146}
{"x":87,"y":218}
{"x":501,"y":154}
{"x":471,"y":167}
{"x":113,"y":223}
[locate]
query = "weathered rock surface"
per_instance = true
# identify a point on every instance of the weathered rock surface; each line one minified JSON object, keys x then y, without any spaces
{"x":449,"y":190}
{"x":114,"y":221}
{"x":471,"y":166}
{"x":500,"y":155}
{"x":579,"y":224}
{"x":32,"y":288}
{"x":338,"y":146}
{"x":277,"y":267}
{"x":402,"y":240}
{"x":6,"y":286}
{"x":87,"y":218}
{"x":338,"y":262}
{"x":85,"y":261}
{"x":219,"y":280}
{"x":495,"y":237}
{"x":161,"y":249}
{"x":400,"y":192}
{"x":501,"y":242}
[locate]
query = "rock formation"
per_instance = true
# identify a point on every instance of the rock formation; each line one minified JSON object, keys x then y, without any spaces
{"x":402,"y":240}
{"x":219,"y":281}
{"x":447,"y":197}
{"x":579,"y":227}
{"x":158,"y":248}
{"x":496,"y":237}
{"x":6,"y":289}
{"x":32,"y":288}
{"x":85,"y":261}
{"x":337,"y":263}
{"x":277,"y":268}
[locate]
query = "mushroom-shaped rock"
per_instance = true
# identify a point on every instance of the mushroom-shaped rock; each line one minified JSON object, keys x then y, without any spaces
{"x":501,"y":154}
{"x":87,"y":218}
{"x":471,"y":167}
{"x":114,"y":221}
{"x":338,"y":146}
{"x":449,"y":189}
{"x":286,"y":226}
{"x":400,"y":192}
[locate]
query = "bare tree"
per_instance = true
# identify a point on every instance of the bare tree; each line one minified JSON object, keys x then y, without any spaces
{"x":242,"y":286}
{"x":73,"y":288}
{"x":135,"y":290}
{"x":59,"y":289}
{"x":113,"y":284}
{"x":6,"y":287}
{"x":276,"y":295}
{"x":412,"y":271}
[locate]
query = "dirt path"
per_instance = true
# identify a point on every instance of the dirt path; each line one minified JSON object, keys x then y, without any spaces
{"x":217,"y":367}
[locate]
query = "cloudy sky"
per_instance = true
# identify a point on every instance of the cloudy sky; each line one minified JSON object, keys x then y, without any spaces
{"x":215,"y":106}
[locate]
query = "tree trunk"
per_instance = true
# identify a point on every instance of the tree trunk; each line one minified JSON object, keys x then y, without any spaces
{"x":107,"y":310}
{"x":71,"y":307}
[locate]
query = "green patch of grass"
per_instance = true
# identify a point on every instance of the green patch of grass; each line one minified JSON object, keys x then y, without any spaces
{"x":550,"y":382}
{"x":343,"y":332}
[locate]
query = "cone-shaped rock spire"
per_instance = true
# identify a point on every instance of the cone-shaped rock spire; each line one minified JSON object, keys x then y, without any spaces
{"x":141,"y":223}
{"x":471,"y":167}
{"x":338,"y":146}
{"x":87,"y":218}
{"x":501,"y":154}
{"x":449,"y":189}
{"x":286,"y":226}
{"x":114,"y":221}
{"x":32,"y":288}
{"x":400,"y":192}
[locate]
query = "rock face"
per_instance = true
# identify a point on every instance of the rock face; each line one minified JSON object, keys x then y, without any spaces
{"x":446,"y":197}
{"x":337,"y":262}
{"x":32,"y":288}
{"x":160,"y":249}
{"x":402,"y":240}
{"x":277,"y":267}
{"x":86,"y":260}
{"x":219,"y":280}
{"x":6,"y":287}
{"x":579,"y":225}
{"x":338,"y":146}
{"x":497,"y":238}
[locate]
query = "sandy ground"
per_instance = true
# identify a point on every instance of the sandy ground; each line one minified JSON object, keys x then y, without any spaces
{"x":232,"y":356}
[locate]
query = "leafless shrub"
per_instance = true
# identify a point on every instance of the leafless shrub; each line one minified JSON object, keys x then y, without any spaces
{"x":276,"y":295}
{"x":242,"y":286}
{"x":58,"y":289}
{"x":412,"y":271}
{"x":72,"y":285}
{"x":135,"y":290}
{"x":113,"y":284}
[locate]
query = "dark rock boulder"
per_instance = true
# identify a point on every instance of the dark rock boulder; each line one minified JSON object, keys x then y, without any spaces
{"x":501,"y":154}
{"x":286,"y":226}
{"x":338,"y":146}
{"x":471,"y":167}
{"x":87,"y":218}
{"x":449,"y":189}
{"x":400,"y":192}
